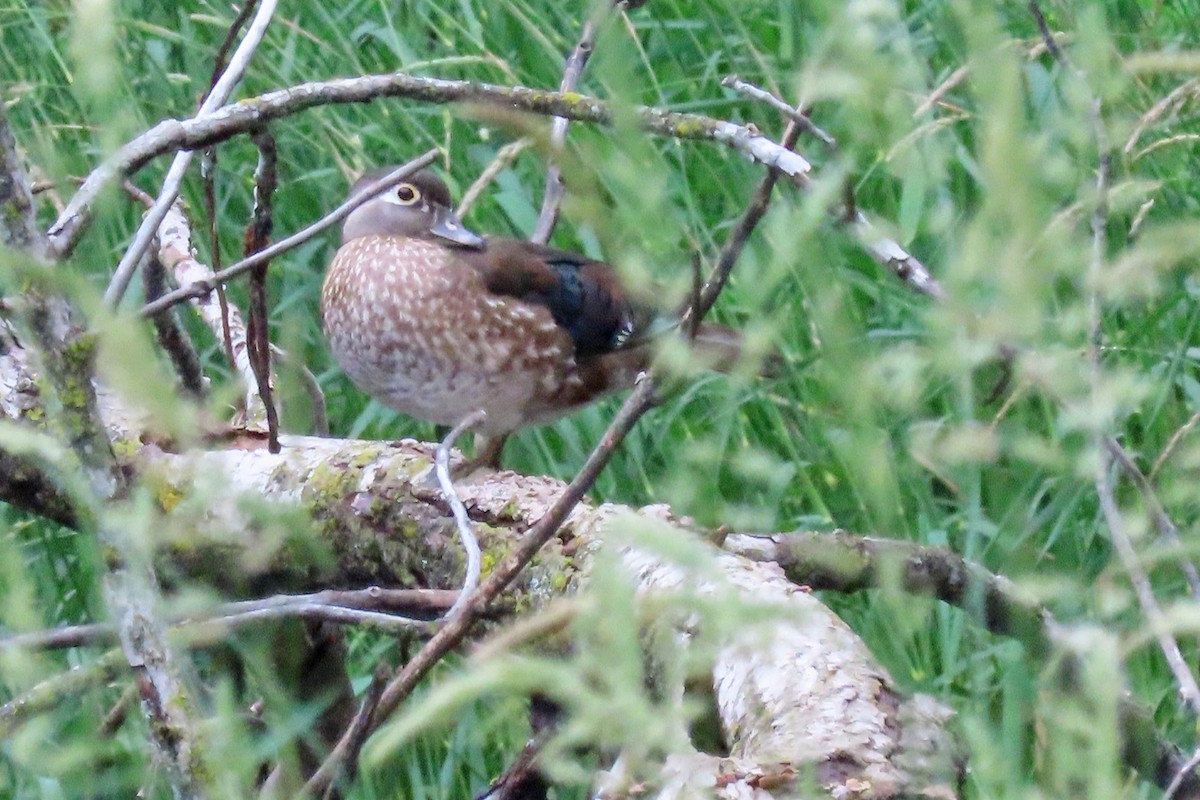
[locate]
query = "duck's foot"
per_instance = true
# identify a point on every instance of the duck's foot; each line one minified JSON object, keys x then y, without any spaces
{"x":487,"y":455}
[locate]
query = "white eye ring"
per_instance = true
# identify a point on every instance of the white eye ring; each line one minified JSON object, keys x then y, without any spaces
{"x":404,"y":195}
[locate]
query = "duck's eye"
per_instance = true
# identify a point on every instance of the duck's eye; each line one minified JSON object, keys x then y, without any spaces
{"x":407,"y":194}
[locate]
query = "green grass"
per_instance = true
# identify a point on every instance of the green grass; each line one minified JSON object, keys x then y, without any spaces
{"x":884,"y":422}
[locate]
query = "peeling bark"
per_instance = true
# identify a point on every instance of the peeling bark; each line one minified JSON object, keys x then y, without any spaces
{"x":807,"y":701}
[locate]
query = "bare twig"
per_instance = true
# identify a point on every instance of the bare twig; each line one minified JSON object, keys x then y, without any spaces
{"x":220,"y":59}
{"x":175,"y":250}
{"x":258,"y":237}
{"x":208,"y":178}
{"x":555,"y":189}
{"x":1167,"y":529}
{"x":199,"y":286}
{"x":288,"y":607}
{"x":170,"y":189}
{"x":736,"y":242}
{"x":130,"y":589}
{"x":1188,"y":687}
{"x":347,"y":749}
{"x":117,"y":715}
{"x":466,"y":531}
{"x":378,"y":608}
{"x":1103,"y":482}
{"x":504,"y":156}
{"x":1173,"y":444}
{"x":311,"y":386}
{"x":84,"y":635}
{"x":1182,"y":774}
{"x":691,"y":325}
{"x":241,"y":117}
{"x":169,"y":333}
{"x":1047,"y":35}
{"x":791,"y":112}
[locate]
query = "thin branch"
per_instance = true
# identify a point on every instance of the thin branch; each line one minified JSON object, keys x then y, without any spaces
{"x":1047,"y":35}
{"x":1173,"y":444}
{"x":504,"y":157}
{"x":380,"y":609}
{"x":175,"y":250}
{"x":791,"y":112}
{"x":208,"y":180}
{"x":1182,"y":775}
{"x":1188,"y":687}
{"x":170,"y":189}
{"x":288,"y":608}
{"x":311,"y":386}
{"x":466,"y":531}
{"x":388,"y":611}
{"x":1167,"y":529}
{"x":168,"y":331}
{"x":220,"y":59}
{"x":736,"y":242}
{"x":202,"y":286}
{"x":258,"y":238}
{"x":240,"y":117}
{"x":555,"y":189}
{"x":347,"y":749}
{"x":117,"y":715}
{"x":1103,"y":482}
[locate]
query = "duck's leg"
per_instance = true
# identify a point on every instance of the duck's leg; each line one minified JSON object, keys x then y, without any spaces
{"x":488,"y":448}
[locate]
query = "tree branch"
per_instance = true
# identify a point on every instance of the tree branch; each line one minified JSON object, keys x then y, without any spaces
{"x":199,"y":285}
{"x":216,"y":98}
{"x":251,"y":113}
{"x":66,"y":356}
{"x":845,"y":562}
{"x":553,"y":196}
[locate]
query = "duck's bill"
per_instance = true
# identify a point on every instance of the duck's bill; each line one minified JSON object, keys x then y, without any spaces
{"x":448,"y":226}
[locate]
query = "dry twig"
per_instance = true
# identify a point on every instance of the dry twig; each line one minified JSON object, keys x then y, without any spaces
{"x":391,"y":611}
{"x":177,"y":255}
{"x":347,"y":750}
{"x":555,"y":189}
{"x":774,"y":101}
{"x":466,"y":531}
{"x":1167,"y":530}
{"x":198,"y":286}
{"x":231,"y":120}
{"x":1103,"y":482}
{"x":504,"y":157}
{"x":170,"y":189}
{"x":258,"y":238}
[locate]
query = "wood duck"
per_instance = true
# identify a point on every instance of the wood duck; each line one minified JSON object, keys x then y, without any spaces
{"x":436,"y":322}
